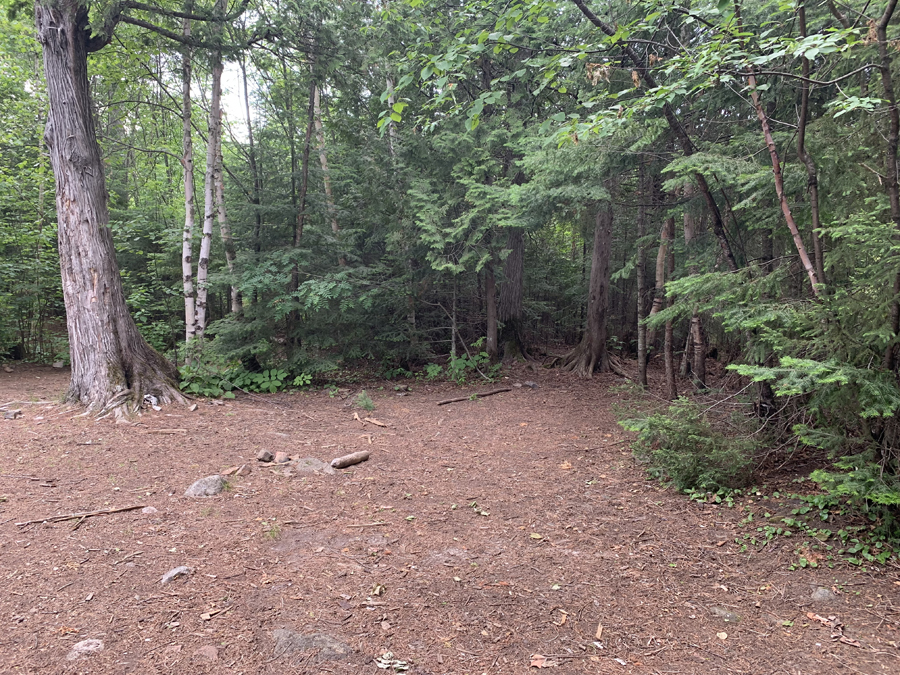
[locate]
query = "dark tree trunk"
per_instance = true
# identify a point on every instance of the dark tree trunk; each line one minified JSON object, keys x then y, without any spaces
{"x":490,"y":308}
{"x":643,"y":195}
{"x":112,"y":365}
{"x":511,"y":290}
{"x":669,"y":346}
{"x":590,"y":355}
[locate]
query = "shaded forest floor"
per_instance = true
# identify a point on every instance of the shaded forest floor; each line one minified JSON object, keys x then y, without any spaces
{"x":488,"y":536}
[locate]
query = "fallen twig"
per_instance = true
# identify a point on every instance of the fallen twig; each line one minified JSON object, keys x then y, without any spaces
{"x":368,"y":524}
{"x":86,"y":514}
{"x":474,"y":396}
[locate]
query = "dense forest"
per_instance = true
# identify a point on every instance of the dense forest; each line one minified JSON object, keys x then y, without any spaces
{"x":296,"y":186}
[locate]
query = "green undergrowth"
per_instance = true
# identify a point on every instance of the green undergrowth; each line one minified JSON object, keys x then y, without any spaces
{"x":821,"y":529}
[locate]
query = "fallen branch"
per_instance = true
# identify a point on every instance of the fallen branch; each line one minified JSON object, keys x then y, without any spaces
{"x":350,"y":460}
{"x":474,"y":396}
{"x":86,"y":514}
{"x":379,"y":524}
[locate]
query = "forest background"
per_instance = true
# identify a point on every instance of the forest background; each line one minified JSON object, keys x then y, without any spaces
{"x":434,"y":187}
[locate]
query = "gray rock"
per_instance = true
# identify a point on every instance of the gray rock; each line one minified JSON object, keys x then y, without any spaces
{"x":58,"y":364}
{"x":725,"y":614}
{"x":174,"y":573}
{"x":12,"y":414}
{"x":282,"y":457}
{"x":265,"y":456}
{"x":149,"y":510}
{"x":207,"y":487}
{"x":84,"y":648}
{"x":823,"y":595}
{"x":532,"y":385}
{"x":329,"y":648}
{"x":311,"y":465}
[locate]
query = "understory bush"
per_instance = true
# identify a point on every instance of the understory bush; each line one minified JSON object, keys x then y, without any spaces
{"x":681,"y":446}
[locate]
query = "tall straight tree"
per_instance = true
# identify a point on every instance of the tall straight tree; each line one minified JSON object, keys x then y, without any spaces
{"x":112,"y":364}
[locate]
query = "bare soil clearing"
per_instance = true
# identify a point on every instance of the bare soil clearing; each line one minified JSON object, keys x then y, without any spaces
{"x":497,"y":535}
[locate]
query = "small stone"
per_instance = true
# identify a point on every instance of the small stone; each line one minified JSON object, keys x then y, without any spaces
{"x":193,"y":408}
{"x":58,"y":364}
{"x":12,"y":414}
{"x":149,"y":510}
{"x":517,"y":385}
{"x":208,"y":652}
{"x":264,"y":456}
{"x":282,"y":457}
{"x":531,"y":384}
{"x":7,"y":369}
{"x":84,"y":648}
{"x":823,"y":595}
{"x":207,"y":487}
{"x":173,"y":574}
{"x":725,"y":614}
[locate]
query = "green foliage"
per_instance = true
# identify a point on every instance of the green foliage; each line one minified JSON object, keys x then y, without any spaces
{"x":207,"y":374}
{"x":682,"y":447}
{"x":364,"y":401}
{"x":269,"y":380}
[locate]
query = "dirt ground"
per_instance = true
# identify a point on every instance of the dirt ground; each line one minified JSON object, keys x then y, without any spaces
{"x":500,"y":535}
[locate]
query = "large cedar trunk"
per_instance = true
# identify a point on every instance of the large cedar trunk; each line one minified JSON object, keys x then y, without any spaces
{"x":112,"y":365}
{"x":511,"y":291}
{"x":590,"y":355}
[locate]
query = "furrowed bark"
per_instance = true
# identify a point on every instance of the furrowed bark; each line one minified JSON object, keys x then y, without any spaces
{"x":591,"y":355}
{"x":511,"y":290}
{"x":659,"y":295}
{"x":490,"y":308}
{"x":112,"y":365}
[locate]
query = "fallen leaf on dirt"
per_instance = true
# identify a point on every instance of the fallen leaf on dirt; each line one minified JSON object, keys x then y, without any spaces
{"x":535,"y":535}
{"x":562,"y":619}
{"x":721,"y":543}
{"x":539,"y":661}
{"x":722,"y":636}
{"x":565,"y":465}
{"x":372,"y":420}
{"x":849,"y":641}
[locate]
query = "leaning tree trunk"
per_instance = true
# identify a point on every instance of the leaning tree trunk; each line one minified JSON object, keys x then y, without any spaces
{"x":590,"y":355}
{"x":511,"y":290}
{"x":112,"y":365}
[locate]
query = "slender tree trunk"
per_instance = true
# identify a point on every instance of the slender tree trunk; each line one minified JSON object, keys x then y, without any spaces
{"x":294,"y":317}
{"x":669,"y":346}
{"x":893,"y":188}
{"x":490,"y":309}
{"x":256,"y":194}
{"x":112,"y":365}
{"x":326,"y":174}
{"x":187,"y":240}
{"x":779,"y":187}
{"x":590,"y":355}
{"x":641,"y":279}
{"x":453,"y":328}
{"x":225,"y":231}
{"x":812,"y":175}
{"x":659,"y":294}
{"x":214,"y":137}
{"x":511,"y":291}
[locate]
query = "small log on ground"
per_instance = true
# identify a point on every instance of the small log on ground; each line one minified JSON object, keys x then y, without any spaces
{"x":350,"y":460}
{"x":474,"y":396}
